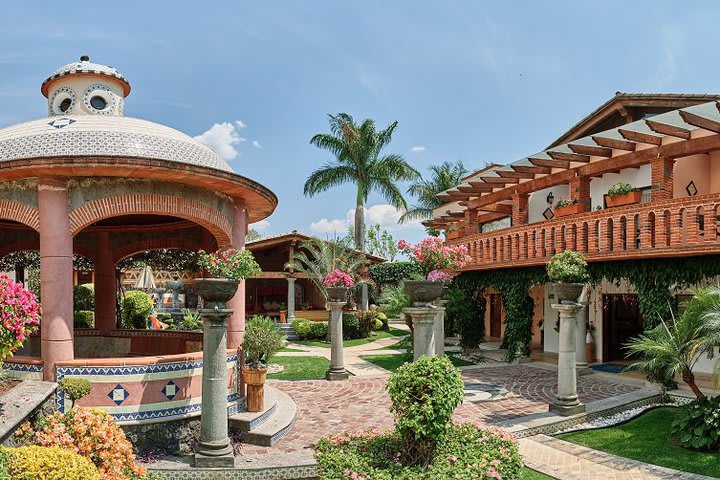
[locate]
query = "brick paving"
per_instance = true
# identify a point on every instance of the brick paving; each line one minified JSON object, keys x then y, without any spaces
{"x":362,"y":404}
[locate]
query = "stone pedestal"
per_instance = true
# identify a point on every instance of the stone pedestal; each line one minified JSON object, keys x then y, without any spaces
{"x":337,"y":359}
{"x":214,"y":449}
{"x":581,"y":360}
{"x":566,"y":400}
{"x":423,"y":321}
{"x":364,"y":297}
{"x":439,"y":328}
{"x":291,"y":300}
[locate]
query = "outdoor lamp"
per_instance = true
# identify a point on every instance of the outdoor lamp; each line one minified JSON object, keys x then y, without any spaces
{"x":550,"y":198}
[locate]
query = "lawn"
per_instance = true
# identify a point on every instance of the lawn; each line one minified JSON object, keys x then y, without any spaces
{"x":393,"y":361}
{"x":647,"y":439}
{"x":530,"y":474}
{"x":300,"y":368}
{"x":394,"y":332}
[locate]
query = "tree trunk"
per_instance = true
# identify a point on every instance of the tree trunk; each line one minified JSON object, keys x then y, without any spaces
{"x":360,"y":227}
{"x":689,"y":378}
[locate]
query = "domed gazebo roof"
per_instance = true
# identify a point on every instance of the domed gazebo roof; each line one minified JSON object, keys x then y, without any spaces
{"x":85,"y":67}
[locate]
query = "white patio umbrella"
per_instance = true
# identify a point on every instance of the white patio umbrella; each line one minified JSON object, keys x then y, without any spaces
{"x":146,"y":280}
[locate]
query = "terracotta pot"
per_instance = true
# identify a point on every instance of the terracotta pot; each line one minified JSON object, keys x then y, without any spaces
{"x":215,"y":291}
{"x":626,"y":199}
{"x":590,"y":352}
{"x":567,"y":291}
{"x":573,"y":209}
{"x":424,"y":291}
{"x":255,"y":381}
{"x":337,"y":294}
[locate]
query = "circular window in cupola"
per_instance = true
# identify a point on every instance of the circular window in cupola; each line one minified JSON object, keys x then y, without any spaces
{"x":99,"y":99}
{"x":63,"y":101}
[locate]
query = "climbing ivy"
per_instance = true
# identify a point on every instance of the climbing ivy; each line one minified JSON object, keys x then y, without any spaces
{"x":464,"y":307}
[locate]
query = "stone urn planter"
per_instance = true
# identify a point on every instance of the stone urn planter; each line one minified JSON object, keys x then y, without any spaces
{"x":624,"y":199}
{"x":215,"y":291}
{"x":569,"y":292}
{"x":255,"y":381}
{"x":337,"y":294}
{"x":423,"y":292}
{"x":573,"y":209}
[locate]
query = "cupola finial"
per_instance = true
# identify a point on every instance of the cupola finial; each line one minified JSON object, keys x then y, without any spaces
{"x":84,"y":58}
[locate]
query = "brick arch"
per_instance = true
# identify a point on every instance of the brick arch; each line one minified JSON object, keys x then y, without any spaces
{"x":151,"y":204}
{"x":155,"y":244}
{"x":18,"y":212}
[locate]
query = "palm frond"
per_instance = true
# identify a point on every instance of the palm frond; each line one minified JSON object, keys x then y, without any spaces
{"x":327,"y":177}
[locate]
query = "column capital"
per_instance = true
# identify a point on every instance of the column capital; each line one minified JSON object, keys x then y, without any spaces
{"x":334,"y":306}
{"x":52,"y":183}
{"x":566,"y":308}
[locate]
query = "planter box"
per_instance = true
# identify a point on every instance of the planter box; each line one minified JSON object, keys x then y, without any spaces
{"x":573,"y":209}
{"x":626,"y":199}
{"x":453,"y":235}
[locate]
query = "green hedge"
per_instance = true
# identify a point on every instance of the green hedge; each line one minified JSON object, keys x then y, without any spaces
{"x":84,"y":297}
{"x":136,"y":308}
{"x":84,"y":319}
{"x":392,"y":273}
{"x":307,"y":330}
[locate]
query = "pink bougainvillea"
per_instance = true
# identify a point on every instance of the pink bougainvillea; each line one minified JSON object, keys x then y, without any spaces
{"x":19,"y":313}
{"x":432,"y":254}
{"x":338,"y":278}
{"x":439,"y":276}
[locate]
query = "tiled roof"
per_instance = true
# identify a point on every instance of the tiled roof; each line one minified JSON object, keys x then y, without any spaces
{"x":84,"y":66}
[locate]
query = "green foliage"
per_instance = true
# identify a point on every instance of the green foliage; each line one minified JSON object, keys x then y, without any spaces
{"x":465,"y":452}
{"x":191,"y":320}
{"x":393,"y":300}
{"x":263,"y":339}
{"x":377,"y":242}
{"x":229,"y":263}
{"x":136,"y":307}
{"x":75,"y":388}
{"x":48,"y":463}
{"x":568,"y":267}
{"x":351,"y":326}
{"x":565,"y":203}
{"x":307,"y":330}
{"x":366,"y":322}
{"x":620,"y":188}
{"x":424,"y":395}
{"x":84,"y":319}
{"x":465,"y":313}
{"x":84,"y":297}
{"x":393,"y":273}
{"x":697,"y":424}
{"x":168,"y":259}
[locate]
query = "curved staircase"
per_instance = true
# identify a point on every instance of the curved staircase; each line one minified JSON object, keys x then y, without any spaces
{"x":273,"y":423}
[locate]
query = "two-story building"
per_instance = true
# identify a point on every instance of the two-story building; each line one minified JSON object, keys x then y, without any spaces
{"x":665,"y":146}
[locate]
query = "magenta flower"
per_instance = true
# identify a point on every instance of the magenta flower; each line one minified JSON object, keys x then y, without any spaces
{"x":338,"y":278}
{"x":19,"y":314}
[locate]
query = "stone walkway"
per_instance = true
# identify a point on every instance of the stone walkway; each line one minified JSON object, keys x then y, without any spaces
{"x":362,"y":403}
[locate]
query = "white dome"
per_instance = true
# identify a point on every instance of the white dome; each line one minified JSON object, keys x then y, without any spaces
{"x":104,"y":136}
{"x":85,"y":67}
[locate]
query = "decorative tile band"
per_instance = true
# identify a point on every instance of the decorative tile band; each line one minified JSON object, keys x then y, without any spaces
{"x":277,"y":473}
{"x":23,"y":371}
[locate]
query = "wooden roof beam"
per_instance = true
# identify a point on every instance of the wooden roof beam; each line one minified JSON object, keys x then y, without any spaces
{"x":615,"y":143}
{"x":640,"y":137}
{"x":549,"y":162}
{"x":506,"y":174}
{"x":531,"y":169}
{"x":497,"y":208}
{"x":700,"y":122}
{"x":570,"y":157}
{"x":480,"y":186}
{"x":671,"y":130}
{"x":591,"y":150}
{"x":499,"y":180}
{"x":444,"y":197}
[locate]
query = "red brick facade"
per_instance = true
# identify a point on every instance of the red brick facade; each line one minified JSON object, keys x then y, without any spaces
{"x":520,"y":209}
{"x":18,"y":212}
{"x":580,"y":190}
{"x":662,"y":178}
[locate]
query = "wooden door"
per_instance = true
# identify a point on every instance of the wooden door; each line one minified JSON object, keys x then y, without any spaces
{"x":495,"y":315}
{"x":621,"y":322}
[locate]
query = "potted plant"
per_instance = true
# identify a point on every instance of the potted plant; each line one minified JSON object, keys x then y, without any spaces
{"x":225,"y":269}
{"x":564,"y":207}
{"x":622,"y":194}
{"x":432,"y":255}
{"x":337,"y":283}
{"x":262,"y":340}
{"x":569,"y":272}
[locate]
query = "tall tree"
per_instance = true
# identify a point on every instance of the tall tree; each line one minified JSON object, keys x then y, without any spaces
{"x":359,"y":159}
{"x":443,"y":177}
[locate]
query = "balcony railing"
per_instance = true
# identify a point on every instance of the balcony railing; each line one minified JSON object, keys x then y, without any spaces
{"x":675,"y":227}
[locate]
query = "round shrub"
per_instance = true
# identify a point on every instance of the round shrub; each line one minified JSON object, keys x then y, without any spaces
{"x":378,"y":324}
{"x":424,"y":395}
{"x":302,"y":328}
{"x":318,"y":330}
{"x":697,"y":424}
{"x":75,"y":388}
{"x":136,"y":308}
{"x":84,"y":319}
{"x":351,"y":326}
{"x":84,"y":297}
{"x":568,"y":267}
{"x":48,"y":463}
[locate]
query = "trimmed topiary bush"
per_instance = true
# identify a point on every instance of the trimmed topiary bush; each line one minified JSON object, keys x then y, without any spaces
{"x":84,"y":297}
{"x":568,"y":267}
{"x":48,"y":463}
{"x":307,"y":330}
{"x":136,"y":308}
{"x":697,"y":424}
{"x":318,"y":330}
{"x":351,"y":326}
{"x":75,"y":388}
{"x":84,"y":319}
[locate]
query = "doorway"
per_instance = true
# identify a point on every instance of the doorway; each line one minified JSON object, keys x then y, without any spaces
{"x":621,"y":322}
{"x":495,"y":315}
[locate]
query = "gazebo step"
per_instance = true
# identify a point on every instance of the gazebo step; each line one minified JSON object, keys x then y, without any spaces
{"x":288,"y":330}
{"x":246,"y":421}
{"x":277,"y":425}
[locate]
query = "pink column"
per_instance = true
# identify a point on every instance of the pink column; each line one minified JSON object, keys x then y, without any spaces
{"x":105,"y":316}
{"x":236,"y":323}
{"x":56,"y":275}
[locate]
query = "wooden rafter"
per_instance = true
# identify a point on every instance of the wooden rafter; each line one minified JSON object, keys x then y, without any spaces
{"x":506,"y":174}
{"x":531,"y":169}
{"x":480,"y":186}
{"x":497,"y":208}
{"x":700,"y":122}
{"x":444,"y":197}
{"x":615,"y":143}
{"x":671,"y":130}
{"x":496,"y":180}
{"x":640,"y":137}
{"x":549,"y":162}
{"x":570,"y":157}
{"x":456,"y":194}
{"x":591,"y":150}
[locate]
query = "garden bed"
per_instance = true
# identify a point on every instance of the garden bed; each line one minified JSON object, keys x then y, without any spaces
{"x":374,"y":336}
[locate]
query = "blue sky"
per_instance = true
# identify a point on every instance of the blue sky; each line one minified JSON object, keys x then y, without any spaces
{"x":487,"y":81}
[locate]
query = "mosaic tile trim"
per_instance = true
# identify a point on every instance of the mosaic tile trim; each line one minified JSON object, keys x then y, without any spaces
{"x":261,"y":419}
{"x":22,"y":367}
{"x":53,"y":109}
{"x":102,"y":91}
{"x":280,"y":434}
{"x":85,"y":67}
{"x":66,"y":142}
{"x":279,"y":473}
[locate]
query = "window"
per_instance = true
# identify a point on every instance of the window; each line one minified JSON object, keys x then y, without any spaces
{"x":98,"y":102}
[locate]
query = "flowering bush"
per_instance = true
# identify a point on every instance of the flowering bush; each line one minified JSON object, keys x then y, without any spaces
{"x":19,"y":313}
{"x":439,"y":276}
{"x":621,"y":188}
{"x":338,"y":278}
{"x":568,"y":267}
{"x":91,"y":433}
{"x":228,"y":263}
{"x":432,"y":254}
{"x":565,"y":203}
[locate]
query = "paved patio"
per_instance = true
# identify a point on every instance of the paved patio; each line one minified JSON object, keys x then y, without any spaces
{"x":362,"y":403}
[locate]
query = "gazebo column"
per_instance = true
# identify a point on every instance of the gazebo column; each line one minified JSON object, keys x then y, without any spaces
{"x":105,"y":316}
{"x":291,"y":299}
{"x":56,"y":275}
{"x":236,"y":323}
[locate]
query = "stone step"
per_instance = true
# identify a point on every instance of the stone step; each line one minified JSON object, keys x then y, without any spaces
{"x":288,"y":330}
{"x":20,"y":403}
{"x":277,"y":425}
{"x":246,"y":421}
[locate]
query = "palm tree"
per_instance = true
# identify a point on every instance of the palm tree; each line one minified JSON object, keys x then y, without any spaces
{"x":443,"y":177}
{"x":359,"y":160}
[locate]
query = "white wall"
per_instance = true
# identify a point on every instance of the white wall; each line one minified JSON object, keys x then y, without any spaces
{"x":537,"y":201}
{"x":637,"y":177}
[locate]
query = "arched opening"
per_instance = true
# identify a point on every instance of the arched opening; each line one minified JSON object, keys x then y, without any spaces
{"x":651,"y":228}
{"x":623,"y":233}
{"x":584,"y":238}
{"x":609,"y":236}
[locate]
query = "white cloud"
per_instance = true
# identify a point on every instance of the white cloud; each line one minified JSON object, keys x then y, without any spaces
{"x":256,"y":144}
{"x":260,"y":226}
{"x":223,"y":138}
{"x":383,"y":214}
{"x":417,"y":149}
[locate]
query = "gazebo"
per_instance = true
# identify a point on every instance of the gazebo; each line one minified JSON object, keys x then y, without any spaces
{"x":87,"y":180}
